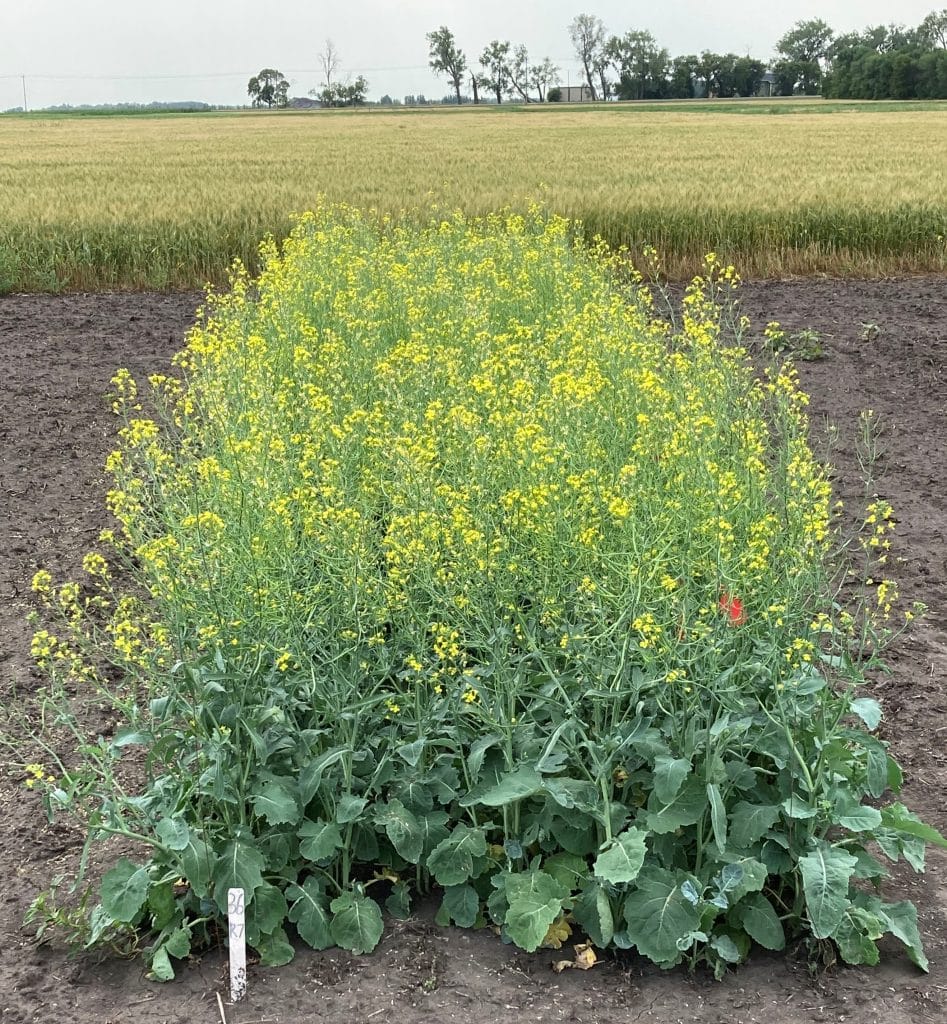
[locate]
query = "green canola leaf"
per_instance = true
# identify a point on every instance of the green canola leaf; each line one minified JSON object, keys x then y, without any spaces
{"x":749,"y":822}
{"x":535,"y":901}
{"x":277,"y":804}
{"x":265,"y":912}
{"x":357,"y":925}
{"x":308,"y":912}
{"x":658,"y":916}
{"x":686,"y":808}
{"x":197,"y":862}
{"x":622,"y":860}
{"x":162,"y":905}
{"x":740,"y":877}
{"x":755,"y":914}
{"x":240,"y":866}
{"x":856,"y":936}
{"x":433,"y":828}
{"x":161,"y":968}
{"x":593,"y":912}
{"x":124,"y":891}
{"x":174,"y":833}
{"x":726,"y":949}
{"x":826,"y":872}
{"x":398,"y":902}
{"x":669,"y":776}
{"x":402,"y":828}
{"x":853,"y":815}
{"x":900,"y":819}
{"x":320,"y":840}
{"x":411,"y":752}
{"x":310,"y":778}
{"x":718,"y":817}
{"x":349,"y":808}
{"x":178,"y":943}
{"x":567,"y":868}
{"x":901,"y":920}
{"x":452,"y":860}
{"x":275,"y":949}
{"x":516,"y":785}
{"x":868,"y":710}
{"x":462,"y":905}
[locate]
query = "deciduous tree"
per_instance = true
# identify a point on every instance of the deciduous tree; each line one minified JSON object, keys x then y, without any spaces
{"x":446,"y":57}
{"x":587,"y":33}
{"x":543,"y":77}
{"x":268,"y":89}
{"x":803,"y":49}
{"x":519,"y":74}
{"x":495,"y":61}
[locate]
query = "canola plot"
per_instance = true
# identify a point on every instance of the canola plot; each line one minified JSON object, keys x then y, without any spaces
{"x":170,"y":201}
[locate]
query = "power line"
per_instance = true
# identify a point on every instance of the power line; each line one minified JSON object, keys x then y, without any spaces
{"x":45,"y":76}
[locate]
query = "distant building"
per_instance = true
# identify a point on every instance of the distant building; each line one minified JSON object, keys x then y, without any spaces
{"x":575,"y":94}
{"x":767,"y":85}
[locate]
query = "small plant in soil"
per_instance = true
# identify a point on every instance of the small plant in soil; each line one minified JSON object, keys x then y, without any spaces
{"x":448,"y":565}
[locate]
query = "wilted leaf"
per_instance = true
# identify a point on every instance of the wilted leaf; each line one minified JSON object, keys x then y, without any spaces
{"x":558,"y":933}
{"x":585,"y":957}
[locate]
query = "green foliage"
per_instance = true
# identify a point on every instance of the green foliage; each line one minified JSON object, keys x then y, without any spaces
{"x":456,"y":565}
{"x":269,"y":88}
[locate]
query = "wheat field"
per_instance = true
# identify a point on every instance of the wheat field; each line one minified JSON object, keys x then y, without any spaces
{"x":170,"y":201}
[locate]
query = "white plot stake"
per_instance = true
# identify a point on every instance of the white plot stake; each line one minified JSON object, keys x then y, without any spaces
{"x":236,"y":921}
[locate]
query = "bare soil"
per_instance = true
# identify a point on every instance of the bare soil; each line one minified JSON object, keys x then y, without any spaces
{"x":55,"y":426}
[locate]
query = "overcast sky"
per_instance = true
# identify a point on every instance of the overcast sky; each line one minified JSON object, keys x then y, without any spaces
{"x":101,"y":51}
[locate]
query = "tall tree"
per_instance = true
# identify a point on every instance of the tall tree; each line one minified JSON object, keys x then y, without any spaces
{"x":268,"y":89}
{"x":543,"y":77}
{"x":803,"y":49}
{"x":934,"y":29}
{"x":330,"y":62}
{"x":519,"y":74}
{"x":684,"y":73}
{"x":495,"y":61}
{"x":587,"y":33}
{"x":641,"y":64}
{"x":446,"y":57}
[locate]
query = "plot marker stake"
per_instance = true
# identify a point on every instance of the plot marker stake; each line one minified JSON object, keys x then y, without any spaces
{"x":236,"y":922}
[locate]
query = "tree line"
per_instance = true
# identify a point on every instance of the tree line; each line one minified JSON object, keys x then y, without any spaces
{"x":881,"y":62}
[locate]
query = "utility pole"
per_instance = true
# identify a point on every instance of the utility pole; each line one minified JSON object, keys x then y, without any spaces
{"x":25,"y":107}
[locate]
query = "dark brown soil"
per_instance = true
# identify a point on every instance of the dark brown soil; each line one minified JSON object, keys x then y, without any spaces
{"x":55,"y":427}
